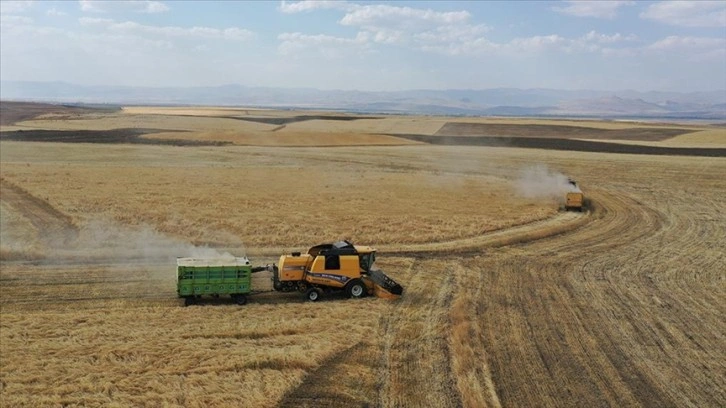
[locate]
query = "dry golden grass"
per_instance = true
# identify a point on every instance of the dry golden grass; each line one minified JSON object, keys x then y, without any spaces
{"x":710,"y":138}
{"x":128,"y":353}
{"x":622,"y":305}
{"x":212,"y":194}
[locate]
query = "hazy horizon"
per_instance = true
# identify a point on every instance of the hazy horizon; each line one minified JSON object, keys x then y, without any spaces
{"x":221,"y":85}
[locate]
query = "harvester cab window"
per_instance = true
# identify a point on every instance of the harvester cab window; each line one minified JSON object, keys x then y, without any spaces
{"x":366,"y":261}
{"x":332,"y":262}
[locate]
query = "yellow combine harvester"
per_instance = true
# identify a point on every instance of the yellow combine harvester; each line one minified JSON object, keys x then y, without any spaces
{"x":340,"y":266}
{"x":574,"y":199}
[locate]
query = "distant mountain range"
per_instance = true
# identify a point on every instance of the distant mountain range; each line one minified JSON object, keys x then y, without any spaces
{"x":487,"y":102}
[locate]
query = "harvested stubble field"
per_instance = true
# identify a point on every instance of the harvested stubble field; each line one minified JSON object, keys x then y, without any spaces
{"x":507,"y":302}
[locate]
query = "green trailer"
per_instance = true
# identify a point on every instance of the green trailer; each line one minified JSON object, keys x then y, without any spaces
{"x":214,"y":277}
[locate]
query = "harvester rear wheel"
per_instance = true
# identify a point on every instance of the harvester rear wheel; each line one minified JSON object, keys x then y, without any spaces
{"x":356,"y":288}
{"x":313,"y":294}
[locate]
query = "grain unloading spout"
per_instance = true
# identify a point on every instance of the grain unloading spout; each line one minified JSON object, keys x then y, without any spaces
{"x":267,"y":268}
{"x":383,"y":285}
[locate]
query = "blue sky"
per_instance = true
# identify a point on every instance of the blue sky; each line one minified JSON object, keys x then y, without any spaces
{"x":368,"y":45}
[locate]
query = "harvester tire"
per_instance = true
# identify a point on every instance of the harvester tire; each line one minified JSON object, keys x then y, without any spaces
{"x":312,"y":294}
{"x":356,"y":289}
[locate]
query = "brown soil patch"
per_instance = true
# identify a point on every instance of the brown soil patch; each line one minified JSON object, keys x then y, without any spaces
{"x":551,"y":143}
{"x":558,"y":131}
{"x":300,"y":118}
{"x":13,"y":112}
{"x":130,"y":136}
{"x":283,"y":136}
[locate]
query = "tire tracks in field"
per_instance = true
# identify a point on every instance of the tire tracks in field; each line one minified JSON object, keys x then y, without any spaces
{"x":415,"y":344}
{"x":621,"y":313}
{"x":416,"y":361}
{"x":543,"y":348}
{"x":52,"y":226}
{"x":561,"y":223}
{"x":323,"y":387}
{"x":411,"y":349}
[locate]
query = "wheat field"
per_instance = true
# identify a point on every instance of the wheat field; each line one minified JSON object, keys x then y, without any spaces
{"x":507,"y":302}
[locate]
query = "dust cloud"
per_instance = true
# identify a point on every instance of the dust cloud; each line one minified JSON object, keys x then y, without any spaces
{"x":541,"y":182}
{"x":106,"y":241}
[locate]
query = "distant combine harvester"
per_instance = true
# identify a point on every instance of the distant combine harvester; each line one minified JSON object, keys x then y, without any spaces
{"x":574,"y":199}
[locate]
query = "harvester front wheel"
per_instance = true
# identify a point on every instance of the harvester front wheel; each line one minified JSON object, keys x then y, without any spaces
{"x":312,"y":294}
{"x":356,"y":289}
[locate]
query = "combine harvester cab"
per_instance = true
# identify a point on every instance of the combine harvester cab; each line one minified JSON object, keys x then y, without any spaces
{"x":340,"y":266}
{"x":214,"y":277}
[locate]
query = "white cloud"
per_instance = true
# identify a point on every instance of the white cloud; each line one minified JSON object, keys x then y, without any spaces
{"x":688,"y":13}
{"x":592,"y":42}
{"x":451,"y":32}
{"x":134,"y":28}
{"x":15,"y":20}
{"x":56,"y":13}
{"x":13,"y":7}
{"x":138,"y":6}
{"x":328,"y":45}
{"x":593,"y":36}
{"x":381,"y":15}
{"x":309,"y":5}
{"x":155,"y":7}
{"x":476,"y":46}
{"x":597,"y":9}
{"x":693,"y":49}
{"x":87,"y":21}
{"x":423,"y":29}
{"x":675,"y":42}
{"x":539,"y":43}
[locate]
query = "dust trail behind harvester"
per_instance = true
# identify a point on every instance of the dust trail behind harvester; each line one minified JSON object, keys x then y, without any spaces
{"x":102,"y":241}
{"x":541,"y":182}
{"x":109,"y":241}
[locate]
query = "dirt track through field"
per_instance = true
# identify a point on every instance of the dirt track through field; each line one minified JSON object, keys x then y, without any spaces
{"x":52,"y":226}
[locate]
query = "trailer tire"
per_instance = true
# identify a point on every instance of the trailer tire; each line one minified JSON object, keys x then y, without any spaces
{"x":356,"y":288}
{"x":312,"y":294}
{"x":240,"y":299}
{"x":189,"y":300}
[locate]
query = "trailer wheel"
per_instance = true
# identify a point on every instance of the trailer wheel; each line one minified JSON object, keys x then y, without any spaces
{"x":240,"y":299}
{"x":312,"y":294}
{"x":189,"y":300}
{"x":356,"y":288}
